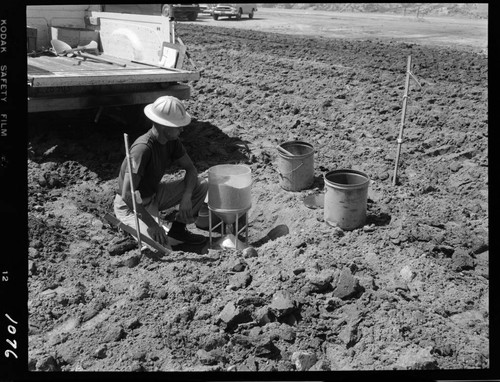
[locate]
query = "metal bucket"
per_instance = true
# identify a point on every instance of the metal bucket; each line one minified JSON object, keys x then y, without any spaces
{"x":296,"y":170}
{"x":345,"y":198}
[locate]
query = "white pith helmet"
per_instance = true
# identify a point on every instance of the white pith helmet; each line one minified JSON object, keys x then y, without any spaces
{"x":168,"y":111}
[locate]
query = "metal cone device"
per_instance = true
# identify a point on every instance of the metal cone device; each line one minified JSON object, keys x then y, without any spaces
{"x":229,"y":197}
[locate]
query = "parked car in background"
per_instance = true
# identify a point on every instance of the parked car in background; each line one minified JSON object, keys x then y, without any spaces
{"x":234,"y":10}
{"x":181,"y":11}
{"x":206,"y":9}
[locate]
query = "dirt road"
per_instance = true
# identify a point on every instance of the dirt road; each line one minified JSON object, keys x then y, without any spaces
{"x":465,"y":33}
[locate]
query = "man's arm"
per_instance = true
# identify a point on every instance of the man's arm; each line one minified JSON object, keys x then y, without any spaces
{"x":154,"y":230}
{"x":190,"y":181}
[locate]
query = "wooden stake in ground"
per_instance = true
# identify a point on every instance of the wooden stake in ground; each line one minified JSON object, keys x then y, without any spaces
{"x":405,"y":99}
{"x":129,"y":163}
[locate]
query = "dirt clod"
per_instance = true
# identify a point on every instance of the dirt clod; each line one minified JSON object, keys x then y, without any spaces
{"x":347,"y":285}
{"x":119,"y":247}
{"x":303,"y":360}
{"x":461,"y":260}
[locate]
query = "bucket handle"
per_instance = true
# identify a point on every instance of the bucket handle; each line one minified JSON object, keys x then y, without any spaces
{"x":295,"y":169}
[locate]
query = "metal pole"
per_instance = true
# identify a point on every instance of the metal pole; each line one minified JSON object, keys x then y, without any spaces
{"x":129,"y":163}
{"x":400,"y":138}
{"x":171,"y":21}
{"x":237,"y":232}
{"x":210,"y":227}
{"x":246,"y":227}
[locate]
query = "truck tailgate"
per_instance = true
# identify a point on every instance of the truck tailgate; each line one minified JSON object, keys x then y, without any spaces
{"x":48,"y":71}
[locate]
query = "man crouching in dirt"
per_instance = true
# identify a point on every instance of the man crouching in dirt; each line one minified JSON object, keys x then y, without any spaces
{"x":151,"y":154}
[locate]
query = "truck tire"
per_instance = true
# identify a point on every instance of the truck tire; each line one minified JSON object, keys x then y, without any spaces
{"x":215,"y":17}
{"x":250,"y":15}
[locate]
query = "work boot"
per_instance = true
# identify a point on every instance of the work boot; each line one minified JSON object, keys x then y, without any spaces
{"x":178,"y":234}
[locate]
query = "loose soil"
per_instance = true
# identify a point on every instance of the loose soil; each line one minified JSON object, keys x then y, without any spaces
{"x":407,"y":290}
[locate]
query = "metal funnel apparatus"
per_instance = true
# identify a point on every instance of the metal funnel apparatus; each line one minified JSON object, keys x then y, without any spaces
{"x":230,"y":241}
{"x":229,"y":197}
{"x":229,"y":217}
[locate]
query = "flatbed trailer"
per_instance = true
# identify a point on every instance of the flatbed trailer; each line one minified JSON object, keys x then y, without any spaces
{"x":135,"y":41}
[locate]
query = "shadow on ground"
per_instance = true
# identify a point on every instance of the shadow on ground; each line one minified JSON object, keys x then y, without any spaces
{"x":99,"y":146}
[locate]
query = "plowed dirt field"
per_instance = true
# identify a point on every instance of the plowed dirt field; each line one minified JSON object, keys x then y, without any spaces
{"x":407,"y":290}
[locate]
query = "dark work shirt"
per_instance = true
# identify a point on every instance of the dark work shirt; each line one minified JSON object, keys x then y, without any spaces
{"x":150,"y":160}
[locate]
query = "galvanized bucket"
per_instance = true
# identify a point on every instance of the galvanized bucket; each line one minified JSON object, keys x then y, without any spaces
{"x":346,"y":198}
{"x":296,"y":170}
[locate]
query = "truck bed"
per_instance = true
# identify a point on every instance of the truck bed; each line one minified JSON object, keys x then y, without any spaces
{"x":65,"y":83}
{"x":62,"y":83}
{"x":50,"y":71}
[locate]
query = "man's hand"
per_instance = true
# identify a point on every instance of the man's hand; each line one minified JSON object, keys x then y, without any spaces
{"x":158,"y":234}
{"x":185,"y":211}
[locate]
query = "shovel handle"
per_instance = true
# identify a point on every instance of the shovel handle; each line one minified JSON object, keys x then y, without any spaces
{"x":156,"y":66}
{"x":187,"y":53}
{"x":284,"y":151}
{"x":94,"y":57}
